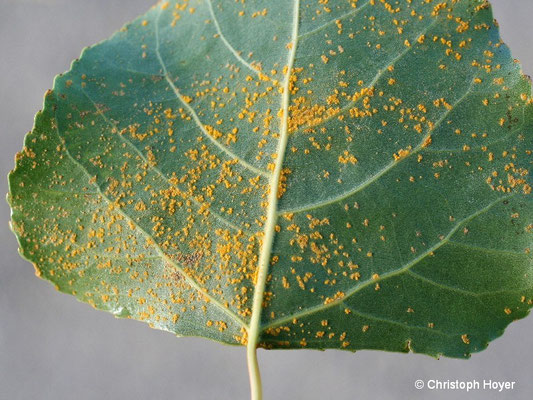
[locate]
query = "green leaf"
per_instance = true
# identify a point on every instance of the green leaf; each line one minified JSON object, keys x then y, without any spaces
{"x":351,"y":174}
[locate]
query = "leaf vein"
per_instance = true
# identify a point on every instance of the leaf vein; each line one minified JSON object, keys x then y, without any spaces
{"x":272,"y":211}
{"x":158,"y":171}
{"x":488,"y":249}
{"x":193,"y":113}
{"x":374,"y":80}
{"x":157,"y":248}
{"x":393,"y":322}
{"x":333,"y":21}
{"x":393,"y":273}
{"x":227,"y":43}
{"x":380,"y":173}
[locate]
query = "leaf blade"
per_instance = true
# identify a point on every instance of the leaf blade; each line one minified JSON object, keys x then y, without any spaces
{"x":172,"y":144}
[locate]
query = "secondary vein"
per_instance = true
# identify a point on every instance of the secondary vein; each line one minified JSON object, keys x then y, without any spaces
{"x":405,"y":268}
{"x":157,"y":248}
{"x":227,"y":43}
{"x":160,"y":173}
{"x":193,"y":113}
{"x":374,"y":178}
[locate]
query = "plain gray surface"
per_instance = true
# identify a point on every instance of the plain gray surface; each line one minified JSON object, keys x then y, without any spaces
{"x":53,"y":347}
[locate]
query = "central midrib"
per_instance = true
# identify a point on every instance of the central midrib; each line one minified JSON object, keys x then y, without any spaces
{"x":272,"y":210}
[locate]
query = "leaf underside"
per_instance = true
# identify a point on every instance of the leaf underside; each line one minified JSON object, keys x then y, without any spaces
{"x":404,"y":212}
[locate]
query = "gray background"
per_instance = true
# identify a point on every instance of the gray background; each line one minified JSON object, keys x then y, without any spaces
{"x":53,"y":347}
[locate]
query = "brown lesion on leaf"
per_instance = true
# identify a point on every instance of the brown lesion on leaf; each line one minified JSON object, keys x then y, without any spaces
{"x":185,"y":260}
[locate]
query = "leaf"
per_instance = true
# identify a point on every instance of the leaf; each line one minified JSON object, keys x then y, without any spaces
{"x":346,"y":174}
